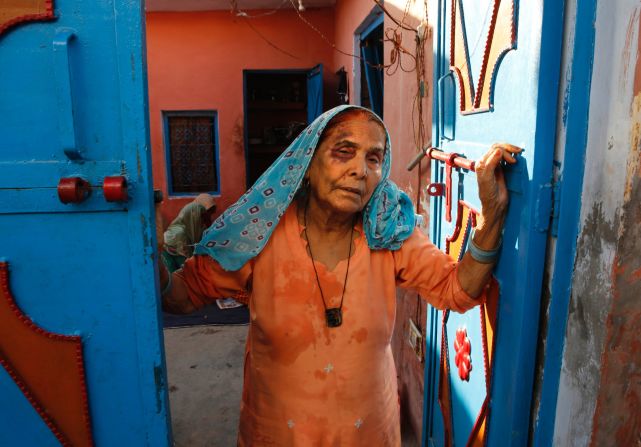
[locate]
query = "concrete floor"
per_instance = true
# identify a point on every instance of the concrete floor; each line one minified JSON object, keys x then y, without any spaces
{"x":205,"y":375}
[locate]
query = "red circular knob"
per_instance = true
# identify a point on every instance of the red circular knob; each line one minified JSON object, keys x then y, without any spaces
{"x":436,"y":189}
{"x":115,"y":189}
{"x":73,"y":190}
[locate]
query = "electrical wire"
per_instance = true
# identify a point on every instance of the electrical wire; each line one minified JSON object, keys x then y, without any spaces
{"x":269,"y":42}
{"x":320,"y":33}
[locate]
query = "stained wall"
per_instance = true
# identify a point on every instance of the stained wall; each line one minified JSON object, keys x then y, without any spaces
{"x":599,"y":399}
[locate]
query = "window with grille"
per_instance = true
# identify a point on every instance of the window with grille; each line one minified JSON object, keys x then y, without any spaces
{"x":192,"y":152}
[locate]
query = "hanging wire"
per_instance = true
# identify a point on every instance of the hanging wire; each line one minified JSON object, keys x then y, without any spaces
{"x":320,"y":33}
{"x":240,"y":13}
{"x":400,"y":24}
{"x":269,"y":42}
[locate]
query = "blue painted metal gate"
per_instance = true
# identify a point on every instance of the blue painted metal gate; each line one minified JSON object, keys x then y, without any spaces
{"x":496,"y":76}
{"x":73,"y":104}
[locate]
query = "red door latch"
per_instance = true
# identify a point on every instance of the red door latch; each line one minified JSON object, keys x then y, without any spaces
{"x":115,"y":189}
{"x":73,"y":190}
{"x":451,"y":160}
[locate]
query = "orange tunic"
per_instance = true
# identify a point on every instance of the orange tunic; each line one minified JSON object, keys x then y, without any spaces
{"x":306,"y":384}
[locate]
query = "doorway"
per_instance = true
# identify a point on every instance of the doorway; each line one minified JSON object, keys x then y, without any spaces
{"x":278,"y":106}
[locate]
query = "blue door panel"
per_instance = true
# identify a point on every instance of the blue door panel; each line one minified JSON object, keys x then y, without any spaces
{"x":95,"y":80}
{"x":85,"y":269}
{"x":523,"y":113}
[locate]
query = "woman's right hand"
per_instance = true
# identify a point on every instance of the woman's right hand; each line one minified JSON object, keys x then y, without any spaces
{"x":174,"y":297}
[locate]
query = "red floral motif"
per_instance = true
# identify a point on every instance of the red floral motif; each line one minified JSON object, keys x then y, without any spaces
{"x":463,"y":349}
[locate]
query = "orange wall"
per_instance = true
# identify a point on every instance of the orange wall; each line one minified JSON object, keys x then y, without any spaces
{"x":196,"y":61}
{"x":398,"y":109}
{"x":401,"y":117}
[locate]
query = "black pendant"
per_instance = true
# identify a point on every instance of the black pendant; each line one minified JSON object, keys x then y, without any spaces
{"x":334,"y":317}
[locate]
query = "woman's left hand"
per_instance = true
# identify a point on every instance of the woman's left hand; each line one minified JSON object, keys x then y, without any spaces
{"x":491,"y":181}
{"x":472,"y":274}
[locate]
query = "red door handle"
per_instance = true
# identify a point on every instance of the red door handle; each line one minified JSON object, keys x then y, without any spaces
{"x":73,"y":190}
{"x":115,"y":189}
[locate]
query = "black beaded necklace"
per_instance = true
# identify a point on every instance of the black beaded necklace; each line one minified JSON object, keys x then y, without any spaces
{"x":334,"y":315}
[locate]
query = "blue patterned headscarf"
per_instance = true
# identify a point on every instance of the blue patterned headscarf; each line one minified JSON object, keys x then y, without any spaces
{"x":242,"y":231}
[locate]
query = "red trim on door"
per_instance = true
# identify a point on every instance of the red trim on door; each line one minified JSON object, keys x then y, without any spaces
{"x":29,"y":15}
{"x":48,"y":368}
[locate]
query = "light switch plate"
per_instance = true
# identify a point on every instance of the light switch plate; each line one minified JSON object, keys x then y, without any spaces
{"x":415,"y":340}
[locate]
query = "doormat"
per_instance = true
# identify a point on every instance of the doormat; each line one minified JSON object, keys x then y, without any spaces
{"x":221,"y":313}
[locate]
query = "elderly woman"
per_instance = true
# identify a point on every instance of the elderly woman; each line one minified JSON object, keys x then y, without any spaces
{"x":319,"y":244}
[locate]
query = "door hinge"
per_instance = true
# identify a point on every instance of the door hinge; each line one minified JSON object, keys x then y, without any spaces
{"x":547,"y":208}
{"x":543,"y":208}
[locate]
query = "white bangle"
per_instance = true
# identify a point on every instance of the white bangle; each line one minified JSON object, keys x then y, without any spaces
{"x":483,"y":256}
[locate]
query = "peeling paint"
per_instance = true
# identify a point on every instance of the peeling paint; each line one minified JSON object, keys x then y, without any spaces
{"x":138,"y":164}
{"x":237,"y":135}
{"x":589,"y":304}
{"x":566,"y":104}
{"x":627,"y":49}
{"x":637,"y":71}
{"x":160,"y":385}
{"x":618,"y":411}
{"x":599,"y":394}
{"x":146,"y":238}
{"x":544,"y":316}
{"x":634,"y":158}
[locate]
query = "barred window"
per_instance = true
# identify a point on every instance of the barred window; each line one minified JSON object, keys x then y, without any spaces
{"x":192,"y":152}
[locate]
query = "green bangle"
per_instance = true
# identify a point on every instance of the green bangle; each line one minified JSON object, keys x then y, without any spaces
{"x":483,"y":256}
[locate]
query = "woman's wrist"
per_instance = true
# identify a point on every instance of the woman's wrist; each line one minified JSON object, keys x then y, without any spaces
{"x":487,"y":236}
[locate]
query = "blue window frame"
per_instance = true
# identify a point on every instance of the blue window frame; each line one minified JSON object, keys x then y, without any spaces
{"x":191,"y":147}
{"x":371,"y":45}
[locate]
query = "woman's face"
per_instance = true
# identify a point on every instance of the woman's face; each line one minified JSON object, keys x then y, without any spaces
{"x":347,"y":165}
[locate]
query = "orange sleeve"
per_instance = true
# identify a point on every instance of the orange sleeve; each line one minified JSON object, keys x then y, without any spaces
{"x":206,"y":281}
{"x":421,"y":266}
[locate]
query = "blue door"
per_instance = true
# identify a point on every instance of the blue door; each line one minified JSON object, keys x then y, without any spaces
{"x":80,"y":339}
{"x":314,"y":92}
{"x":496,"y":79}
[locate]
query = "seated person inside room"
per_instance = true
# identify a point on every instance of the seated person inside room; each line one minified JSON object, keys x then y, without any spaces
{"x":318,"y":246}
{"x":186,"y":230}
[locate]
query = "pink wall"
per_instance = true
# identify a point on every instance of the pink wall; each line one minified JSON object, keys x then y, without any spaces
{"x":196,"y":62}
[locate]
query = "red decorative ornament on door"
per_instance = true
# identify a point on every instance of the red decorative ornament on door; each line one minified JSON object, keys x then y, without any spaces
{"x":463,"y":350}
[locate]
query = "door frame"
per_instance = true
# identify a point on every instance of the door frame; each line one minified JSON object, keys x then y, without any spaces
{"x":246,"y":107}
{"x":374,"y":18}
{"x":577,"y":110}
